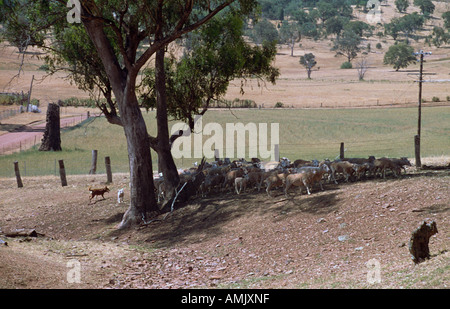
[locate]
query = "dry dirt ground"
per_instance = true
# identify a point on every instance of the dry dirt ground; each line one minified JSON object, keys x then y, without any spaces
{"x":329,"y":239}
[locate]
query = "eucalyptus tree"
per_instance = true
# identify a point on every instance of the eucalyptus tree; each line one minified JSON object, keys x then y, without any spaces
{"x":116,"y":31}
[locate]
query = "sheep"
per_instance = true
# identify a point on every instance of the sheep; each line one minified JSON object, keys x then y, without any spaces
{"x":298,"y":180}
{"x":371,"y":159}
{"x":382,"y":164}
{"x":361,"y":169}
{"x":274,"y":179}
{"x":240,"y":184}
{"x":318,"y":173}
{"x":299,"y":163}
{"x":210,"y":182}
{"x":230,"y":177}
{"x":344,"y":167}
{"x":401,"y":163}
{"x":314,"y":174}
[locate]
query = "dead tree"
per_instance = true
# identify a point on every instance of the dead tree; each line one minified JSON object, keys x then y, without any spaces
{"x":52,"y":135}
{"x":418,"y":245}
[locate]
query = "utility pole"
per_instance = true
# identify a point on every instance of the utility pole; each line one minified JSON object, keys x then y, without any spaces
{"x":419,"y":121}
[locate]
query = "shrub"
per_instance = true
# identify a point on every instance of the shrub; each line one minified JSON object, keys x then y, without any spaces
{"x":435,"y":99}
{"x":279,"y":105}
{"x":379,"y":46}
{"x":346,"y":65}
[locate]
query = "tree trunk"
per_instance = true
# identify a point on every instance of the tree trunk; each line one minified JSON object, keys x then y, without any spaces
{"x":142,"y":194}
{"x":52,"y":135}
{"x":165,"y":158}
{"x":123,"y":83}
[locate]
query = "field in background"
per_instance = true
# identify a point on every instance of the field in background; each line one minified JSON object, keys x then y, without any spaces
{"x":305,"y":134}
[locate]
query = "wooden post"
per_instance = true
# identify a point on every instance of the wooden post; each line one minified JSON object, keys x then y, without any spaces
{"x":417,"y":150}
{"x":342,"y":151}
{"x":108,"y":169}
{"x":94,"y":163}
{"x":62,"y":173}
{"x":16,"y":170}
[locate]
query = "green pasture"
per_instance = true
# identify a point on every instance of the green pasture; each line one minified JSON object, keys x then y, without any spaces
{"x":303,"y":133}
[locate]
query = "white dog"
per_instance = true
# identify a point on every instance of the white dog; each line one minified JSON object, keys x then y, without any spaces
{"x":120,"y":195}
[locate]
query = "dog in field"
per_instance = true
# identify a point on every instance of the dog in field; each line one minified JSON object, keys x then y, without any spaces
{"x":95,"y":192}
{"x":120,"y":195}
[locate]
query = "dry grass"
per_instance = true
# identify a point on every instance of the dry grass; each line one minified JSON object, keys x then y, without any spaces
{"x":248,"y":241}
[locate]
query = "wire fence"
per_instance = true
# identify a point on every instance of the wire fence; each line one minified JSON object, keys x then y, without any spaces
{"x":80,"y":164}
{"x":4,"y":114}
{"x":30,"y":167}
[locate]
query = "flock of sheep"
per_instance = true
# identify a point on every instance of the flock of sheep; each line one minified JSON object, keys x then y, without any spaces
{"x":240,"y":175}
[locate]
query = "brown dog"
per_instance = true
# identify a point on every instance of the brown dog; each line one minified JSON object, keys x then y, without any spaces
{"x":95,"y":192}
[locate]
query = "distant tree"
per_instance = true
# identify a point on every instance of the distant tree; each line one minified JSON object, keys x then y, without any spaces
{"x":359,"y":27}
{"x":402,"y":5}
{"x":347,"y":45}
{"x":306,"y":24}
{"x":440,"y":37}
{"x":362,"y":66}
{"x":308,"y":61}
{"x":408,"y":24}
{"x":263,"y":31}
{"x":325,"y":10}
{"x":392,"y":28}
{"x":289,"y":34}
{"x":446,"y":18}
{"x":335,"y":25}
{"x":426,"y":6}
{"x":400,"y":56}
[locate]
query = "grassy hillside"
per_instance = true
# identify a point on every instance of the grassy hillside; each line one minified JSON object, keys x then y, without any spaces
{"x":306,"y":134}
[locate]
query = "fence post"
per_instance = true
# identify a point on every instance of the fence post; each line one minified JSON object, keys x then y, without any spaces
{"x":108,"y":169}
{"x":62,"y":173}
{"x":16,"y":170}
{"x":94,"y":163}
{"x":341,"y":152}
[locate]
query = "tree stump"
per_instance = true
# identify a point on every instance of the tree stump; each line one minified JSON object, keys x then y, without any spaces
{"x":418,"y":244}
{"x":52,"y":135}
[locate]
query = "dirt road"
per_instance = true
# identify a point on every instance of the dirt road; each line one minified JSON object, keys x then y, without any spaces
{"x":24,"y":137}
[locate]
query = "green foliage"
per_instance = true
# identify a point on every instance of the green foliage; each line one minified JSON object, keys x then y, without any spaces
{"x":400,"y":56}
{"x":308,"y":61}
{"x":218,"y":54}
{"x":402,"y":5}
{"x":426,"y":6}
{"x":264,"y":31}
{"x":446,"y":18}
{"x":346,"y":65}
{"x":408,"y":24}
{"x":279,"y":105}
{"x":347,"y":45}
{"x":440,"y":37}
